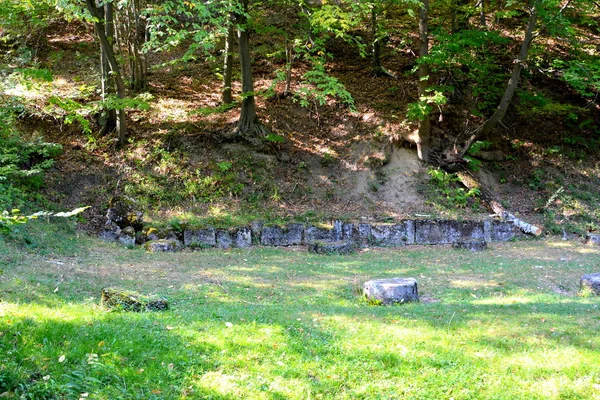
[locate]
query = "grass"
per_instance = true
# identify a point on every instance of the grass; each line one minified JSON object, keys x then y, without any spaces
{"x":284,"y":324}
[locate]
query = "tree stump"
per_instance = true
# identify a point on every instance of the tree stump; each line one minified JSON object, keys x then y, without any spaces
{"x":390,"y":291}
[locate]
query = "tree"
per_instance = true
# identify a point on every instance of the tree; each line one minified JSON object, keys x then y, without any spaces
{"x":423,"y":137}
{"x":106,"y":46}
{"x":228,"y":61}
{"x":248,"y":126}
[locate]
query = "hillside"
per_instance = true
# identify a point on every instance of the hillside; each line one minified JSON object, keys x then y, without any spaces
{"x":325,"y":161}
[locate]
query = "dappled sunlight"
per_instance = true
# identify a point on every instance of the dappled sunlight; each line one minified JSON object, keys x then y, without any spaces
{"x":468,"y":283}
{"x":172,"y":110}
{"x":219,"y":382}
{"x":504,"y":300}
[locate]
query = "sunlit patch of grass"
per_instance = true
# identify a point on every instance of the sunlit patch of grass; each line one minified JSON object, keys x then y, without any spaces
{"x":272,"y":323}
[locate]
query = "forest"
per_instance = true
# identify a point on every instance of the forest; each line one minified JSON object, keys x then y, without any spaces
{"x":222,"y":112}
{"x":203,"y":199}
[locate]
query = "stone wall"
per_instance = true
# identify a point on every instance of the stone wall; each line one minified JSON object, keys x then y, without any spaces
{"x":403,"y":233}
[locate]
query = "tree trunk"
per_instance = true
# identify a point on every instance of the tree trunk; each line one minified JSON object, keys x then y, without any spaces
{"x":423,"y":139}
{"x":481,"y":6}
{"x":375,"y":44}
{"x":107,"y":49}
{"x":108,"y":121}
{"x":489,"y":198}
{"x":513,"y":82}
{"x":228,"y":64}
{"x":289,"y":58}
{"x":248,"y":125}
{"x":489,"y":125}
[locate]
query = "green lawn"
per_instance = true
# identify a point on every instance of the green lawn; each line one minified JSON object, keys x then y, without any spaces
{"x":283,"y":324}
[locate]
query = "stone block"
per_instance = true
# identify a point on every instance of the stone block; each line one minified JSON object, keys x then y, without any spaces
{"x":243,"y":238}
{"x":110,"y":232}
{"x":331,"y":248}
{"x":393,"y":234}
{"x":290,"y":235}
{"x":447,"y":232}
{"x":224,"y":239}
{"x":592,"y":238}
{"x":390,"y":291}
{"x":125,"y":211}
{"x":127,"y":237}
{"x":503,"y":231}
{"x":591,"y":282}
{"x":122,"y":300}
{"x":161,"y":245}
{"x":364,"y":232}
{"x":349,"y":232}
{"x":474,"y":246}
{"x":324,"y":233}
{"x":256,"y":228}
{"x":200,"y":237}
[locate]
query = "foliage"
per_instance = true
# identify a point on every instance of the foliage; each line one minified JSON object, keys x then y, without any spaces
{"x":446,"y":185}
{"x":419,"y":110}
{"x":15,"y":217}
{"x":73,"y":111}
{"x":25,"y":18}
{"x":582,"y":75}
{"x":22,"y":162}
{"x":318,"y":87}
{"x":470,"y":61}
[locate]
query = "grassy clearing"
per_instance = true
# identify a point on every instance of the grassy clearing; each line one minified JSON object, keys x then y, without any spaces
{"x":281,"y":323}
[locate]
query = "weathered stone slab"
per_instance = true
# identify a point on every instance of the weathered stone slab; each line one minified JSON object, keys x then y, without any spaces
{"x":200,"y":237}
{"x":324,"y":233}
{"x":447,"y":232}
{"x":349,"y":232}
{"x":129,"y":301}
{"x":331,"y":248}
{"x":256,"y":228}
{"x":243,"y":238}
{"x":364,"y":232}
{"x":393,"y":234}
{"x":224,"y":239}
{"x":290,"y":235}
{"x":111,"y":232}
{"x":503,"y":231}
{"x":474,"y":246}
{"x":390,"y":291}
{"x":161,"y":245}
{"x":591,"y":282}
{"x":592,"y":238}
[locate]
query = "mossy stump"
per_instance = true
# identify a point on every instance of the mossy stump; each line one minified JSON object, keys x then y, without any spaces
{"x":118,"y":299}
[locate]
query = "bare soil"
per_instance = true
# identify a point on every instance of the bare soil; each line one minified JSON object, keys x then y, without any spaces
{"x":333,"y":161}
